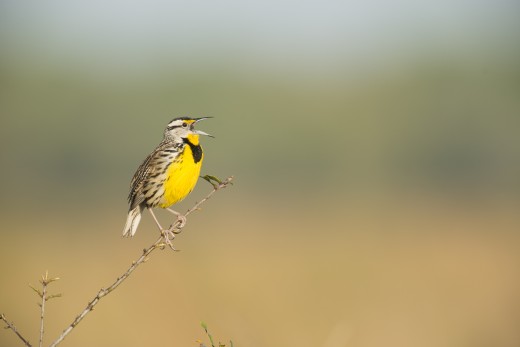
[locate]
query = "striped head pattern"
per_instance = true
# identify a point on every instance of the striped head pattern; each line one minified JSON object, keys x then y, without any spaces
{"x":184,"y":128}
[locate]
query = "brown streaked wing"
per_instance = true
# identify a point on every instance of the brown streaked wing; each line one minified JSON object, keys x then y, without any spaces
{"x":147,"y":168}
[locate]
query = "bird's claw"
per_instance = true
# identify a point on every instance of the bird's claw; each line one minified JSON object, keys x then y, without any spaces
{"x":168,"y":236}
{"x":176,"y":227}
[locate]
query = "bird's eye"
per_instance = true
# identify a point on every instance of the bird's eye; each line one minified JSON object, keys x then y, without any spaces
{"x":184,"y":125}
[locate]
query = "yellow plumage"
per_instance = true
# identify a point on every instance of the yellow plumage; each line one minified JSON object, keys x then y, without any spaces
{"x":181,"y":177}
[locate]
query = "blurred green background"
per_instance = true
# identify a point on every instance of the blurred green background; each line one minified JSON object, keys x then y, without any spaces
{"x":376,"y":154}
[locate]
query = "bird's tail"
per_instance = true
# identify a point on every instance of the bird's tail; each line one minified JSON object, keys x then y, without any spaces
{"x":132,"y":221}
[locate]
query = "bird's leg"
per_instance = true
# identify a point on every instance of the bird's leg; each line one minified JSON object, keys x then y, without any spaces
{"x":180,"y":222}
{"x":155,"y":219}
{"x":166,"y":233}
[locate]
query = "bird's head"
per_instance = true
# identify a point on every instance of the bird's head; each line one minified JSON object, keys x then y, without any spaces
{"x":184,"y":128}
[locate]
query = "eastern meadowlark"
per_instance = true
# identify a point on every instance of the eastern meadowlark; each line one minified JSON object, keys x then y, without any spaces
{"x":168,"y":174}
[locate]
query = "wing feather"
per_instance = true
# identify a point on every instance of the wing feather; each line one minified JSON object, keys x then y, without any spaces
{"x":148,"y":168}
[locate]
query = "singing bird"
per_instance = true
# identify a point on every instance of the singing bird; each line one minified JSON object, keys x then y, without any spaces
{"x":168,"y":174}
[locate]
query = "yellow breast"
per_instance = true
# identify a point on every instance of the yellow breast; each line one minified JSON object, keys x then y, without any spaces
{"x":181,"y":177}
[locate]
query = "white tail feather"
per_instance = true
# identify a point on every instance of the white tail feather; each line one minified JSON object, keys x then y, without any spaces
{"x":132,"y":222}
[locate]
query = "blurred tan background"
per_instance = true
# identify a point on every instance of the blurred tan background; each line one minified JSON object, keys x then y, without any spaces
{"x":376,"y":151}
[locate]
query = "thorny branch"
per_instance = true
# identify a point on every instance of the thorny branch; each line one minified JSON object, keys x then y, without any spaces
{"x":43,"y":294}
{"x":42,"y":307}
{"x":11,"y":326}
{"x":45,"y":281}
{"x":159,"y":243}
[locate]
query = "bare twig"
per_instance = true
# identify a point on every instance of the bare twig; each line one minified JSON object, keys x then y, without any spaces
{"x":220,"y":185}
{"x":42,"y":306}
{"x":160,"y":243}
{"x":45,"y":297}
{"x":11,"y":326}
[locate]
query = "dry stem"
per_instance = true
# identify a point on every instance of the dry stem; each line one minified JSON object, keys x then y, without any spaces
{"x":45,"y":281}
{"x":11,"y":326}
{"x":159,"y":243}
{"x":42,"y":306}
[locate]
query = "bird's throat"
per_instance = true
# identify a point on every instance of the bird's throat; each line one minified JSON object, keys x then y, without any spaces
{"x":193,"y":139}
{"x":193,"y":148}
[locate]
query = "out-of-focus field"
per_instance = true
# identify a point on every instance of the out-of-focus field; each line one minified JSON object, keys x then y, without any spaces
{"x":265,"y":274}
{"x":376,"y":156}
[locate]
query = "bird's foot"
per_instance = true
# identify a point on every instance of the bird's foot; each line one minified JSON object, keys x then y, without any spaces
{"x":176,"y":227}
{"x":168,"y":236}
{"x":179,"y":223}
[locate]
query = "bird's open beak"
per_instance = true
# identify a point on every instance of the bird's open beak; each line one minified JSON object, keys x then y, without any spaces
{"x":200,"y":132}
